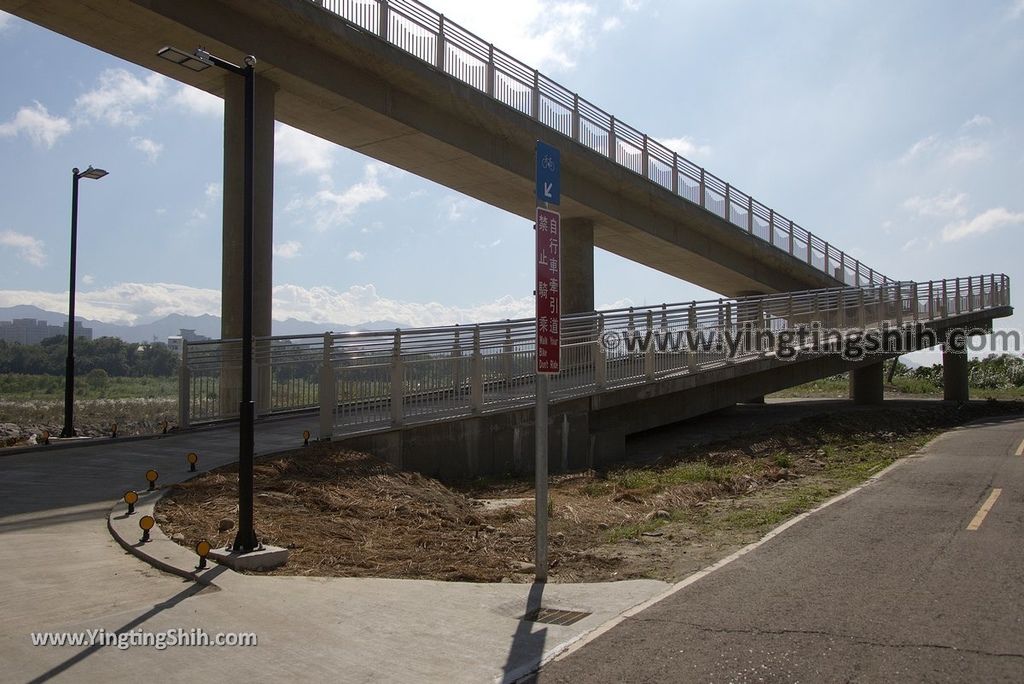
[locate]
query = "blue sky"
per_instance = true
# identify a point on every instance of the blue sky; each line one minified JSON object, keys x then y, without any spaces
{"x":893,"y":130}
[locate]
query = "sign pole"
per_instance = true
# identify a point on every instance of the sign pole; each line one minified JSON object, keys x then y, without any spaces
{"x":547,"y":295}
{"x":541,"y":485}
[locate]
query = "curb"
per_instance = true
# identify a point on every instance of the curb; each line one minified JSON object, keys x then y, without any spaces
{"x":84,"y":442}
{"x":160,"y":551}
{"x":191,"y":429}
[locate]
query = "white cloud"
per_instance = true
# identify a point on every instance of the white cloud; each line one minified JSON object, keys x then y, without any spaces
{"x":361,"y":303}
{"x":611,"y":23}
{"x":198,"y":216}
{"x":960,"y":150}
{"x":302,"y":151}
{"x":455,"y":207}
{"x":197,"y":101}
{"x":918,"y":244}
{"x":978,"y":120}
{"x":133,"y":303}
{"x":148,"y":147}
{"x":88,"y":279}
{"x":29,"y":248}
{"x":38,"y":124}
{"x":5,"y":20}
{"x":288,"y":250}
{"x":355,"y":255}
{"x":125,"y":303}
{"x":1016,"y":9}
{"x":213,"y":191}
{"x":624,"y":303}
{"x":920,"y":147}
{"x":686,"y":146}
{"x":965,"y":150}
{"x":986,"y":222}
{"x":120,"y":97}
{"x":331,"y":209}
{"x":543,"y":34}
{"x":944,"y":205}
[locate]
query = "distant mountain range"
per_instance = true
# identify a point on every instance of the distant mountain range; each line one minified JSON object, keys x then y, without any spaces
{"x":163,"y":328}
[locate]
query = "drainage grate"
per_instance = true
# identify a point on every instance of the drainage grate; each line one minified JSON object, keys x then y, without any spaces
{"x":555,"y":616}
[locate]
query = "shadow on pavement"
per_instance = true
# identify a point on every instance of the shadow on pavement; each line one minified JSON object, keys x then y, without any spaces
{"x":527,"y":647}
{"x":193,"y":589}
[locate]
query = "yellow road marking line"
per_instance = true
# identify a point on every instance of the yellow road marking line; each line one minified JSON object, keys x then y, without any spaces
{"x":1020,"y":449}
{"x":979,"y":517}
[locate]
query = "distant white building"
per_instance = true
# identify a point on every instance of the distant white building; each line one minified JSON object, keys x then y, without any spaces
{"x":31,"y":331}
{"x":174,"y":342}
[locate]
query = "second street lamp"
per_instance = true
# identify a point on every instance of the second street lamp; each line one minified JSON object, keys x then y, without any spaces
{"x":69,"y":366}
{"x":245,"y":540}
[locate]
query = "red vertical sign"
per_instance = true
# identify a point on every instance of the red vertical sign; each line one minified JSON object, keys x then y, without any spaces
{"x":548,"y":291}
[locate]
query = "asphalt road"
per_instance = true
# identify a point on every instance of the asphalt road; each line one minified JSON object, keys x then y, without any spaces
{"x":887,"y":585}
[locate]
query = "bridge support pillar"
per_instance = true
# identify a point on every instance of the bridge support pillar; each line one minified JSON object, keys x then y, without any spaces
{"x":232,"y":268}
{"x":750,"y":323}
{"x":577,"y":265}
{"x":955,"y":374}
{"x":866,"y":384}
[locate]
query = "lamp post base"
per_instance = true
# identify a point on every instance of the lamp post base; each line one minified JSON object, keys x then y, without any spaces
{"x":264,"y":558}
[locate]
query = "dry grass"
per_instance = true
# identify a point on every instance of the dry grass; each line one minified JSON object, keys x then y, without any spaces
{"x":93,"y":417}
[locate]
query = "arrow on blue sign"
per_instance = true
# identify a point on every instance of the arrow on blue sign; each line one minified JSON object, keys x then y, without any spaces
{"x":548,"y":174}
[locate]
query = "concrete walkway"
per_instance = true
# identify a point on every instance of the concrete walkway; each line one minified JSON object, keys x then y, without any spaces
{"x":60,"y":570}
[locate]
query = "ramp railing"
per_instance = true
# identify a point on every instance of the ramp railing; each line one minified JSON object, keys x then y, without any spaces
{"x":365,"y":381}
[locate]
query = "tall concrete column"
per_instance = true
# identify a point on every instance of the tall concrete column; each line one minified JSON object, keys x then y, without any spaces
{"x":577,"y":265}
{"x":867,"y":384}
{"x":232,"y":267}
{"x":955,"y":375}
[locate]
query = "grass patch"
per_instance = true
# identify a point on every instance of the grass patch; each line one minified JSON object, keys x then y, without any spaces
{"x":16,"y":387}
{"x":651,"y":480}
{"x":800,"y":500}
{"x":634,"y":530}
{"x":783,"y":460}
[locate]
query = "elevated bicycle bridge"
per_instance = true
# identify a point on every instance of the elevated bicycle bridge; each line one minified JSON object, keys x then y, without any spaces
{"x":458,"y":400}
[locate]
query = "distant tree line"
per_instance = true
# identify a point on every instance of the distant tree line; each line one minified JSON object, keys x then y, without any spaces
{"x":995,"y":371}
{"x":109,"y":354}
{"x":1002,"y":371}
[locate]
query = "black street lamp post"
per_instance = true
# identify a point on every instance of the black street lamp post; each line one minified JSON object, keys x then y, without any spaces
{"x":69,"y":366}
{"x":245,"y":539}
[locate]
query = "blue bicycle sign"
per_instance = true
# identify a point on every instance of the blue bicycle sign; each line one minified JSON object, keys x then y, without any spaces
{"x":548,"y":174}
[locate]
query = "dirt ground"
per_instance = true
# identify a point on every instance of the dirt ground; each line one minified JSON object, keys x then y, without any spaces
{"x":350,"y":514}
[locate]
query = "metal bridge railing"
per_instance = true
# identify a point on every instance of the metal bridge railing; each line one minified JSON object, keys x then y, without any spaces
{"x":366,"y":381}
{"x":440,"y":42}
